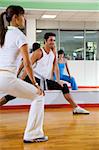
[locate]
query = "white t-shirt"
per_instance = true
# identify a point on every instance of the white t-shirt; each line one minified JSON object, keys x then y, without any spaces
{"x":10,"y":55}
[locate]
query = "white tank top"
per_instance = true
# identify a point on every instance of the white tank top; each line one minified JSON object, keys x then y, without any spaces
{"x":44,"y":65}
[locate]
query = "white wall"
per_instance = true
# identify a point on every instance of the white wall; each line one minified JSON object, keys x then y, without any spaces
{"x":30,"y":30}
{"x":97,"y":72}
{"x":86,"y":73}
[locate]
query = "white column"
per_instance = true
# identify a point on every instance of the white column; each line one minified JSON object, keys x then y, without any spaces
{"x":30,"y":30}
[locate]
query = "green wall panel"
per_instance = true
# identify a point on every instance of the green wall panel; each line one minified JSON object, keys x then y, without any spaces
{"x":52,"y":5}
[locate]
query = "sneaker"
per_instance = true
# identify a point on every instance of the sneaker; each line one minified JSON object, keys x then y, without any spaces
{"x":42,"y":139}
{"x":79,"y":110}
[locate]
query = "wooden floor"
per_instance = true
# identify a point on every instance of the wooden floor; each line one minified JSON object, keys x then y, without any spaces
{"x":65,"y":131}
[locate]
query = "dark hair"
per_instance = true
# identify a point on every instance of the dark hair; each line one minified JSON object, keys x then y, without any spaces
{"x":46,"y":35}
{"x":60,"y":52}
{"x":35,"y":46}
{"x":7,"y":17}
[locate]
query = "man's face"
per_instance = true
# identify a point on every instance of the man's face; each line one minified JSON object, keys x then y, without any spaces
{"x":50,"y":42}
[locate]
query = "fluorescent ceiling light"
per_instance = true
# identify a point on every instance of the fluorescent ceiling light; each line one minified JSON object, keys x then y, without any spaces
{"x":78,"y":37}
{"x":90,"y":32}
{"x":49,"y":16}
{"x":38,"y":31}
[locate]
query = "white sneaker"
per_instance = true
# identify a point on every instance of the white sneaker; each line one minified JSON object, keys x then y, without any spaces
{"x":42,"y":139}
{"x":79,"y":110}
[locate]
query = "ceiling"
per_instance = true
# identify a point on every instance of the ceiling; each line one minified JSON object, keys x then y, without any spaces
{"x":87,"y":11}
{"x":65,"y":15}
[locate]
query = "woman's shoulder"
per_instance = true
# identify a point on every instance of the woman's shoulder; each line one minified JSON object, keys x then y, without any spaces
{"x":18,"y":32}
{"x":21,"y":32}
{"x":63,"y":61}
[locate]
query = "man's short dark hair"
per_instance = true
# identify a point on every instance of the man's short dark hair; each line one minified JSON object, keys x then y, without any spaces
{"x":46,"y":35}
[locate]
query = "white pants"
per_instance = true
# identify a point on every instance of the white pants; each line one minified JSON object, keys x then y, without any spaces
{"x":10,"y":84}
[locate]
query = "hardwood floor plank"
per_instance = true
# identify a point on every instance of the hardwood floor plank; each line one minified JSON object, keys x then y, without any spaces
{"x":65,"y":131}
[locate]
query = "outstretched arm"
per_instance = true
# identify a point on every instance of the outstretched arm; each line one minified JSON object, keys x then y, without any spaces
{"x":28,"y":67}
{"x":56,"y":68}
{"x":27,"y":63}
{"x":20,"y":68}
{"x":36,"y":55}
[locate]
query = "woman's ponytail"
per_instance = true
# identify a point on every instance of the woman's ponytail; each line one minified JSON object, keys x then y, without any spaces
{"x":3,"y":28}
{"x":5,"y":19}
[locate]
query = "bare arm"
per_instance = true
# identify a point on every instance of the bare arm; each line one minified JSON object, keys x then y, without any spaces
{"x":55,"y":66}
{"x":28,"y":67}
{"x":27,"y":63}
{"x":20,"y":68}
{"x":56,"y":70}
{"x":36,"y":55}
{"x":67,"y":69}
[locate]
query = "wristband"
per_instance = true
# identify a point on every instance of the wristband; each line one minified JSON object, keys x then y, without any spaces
{"x":36,"y":84}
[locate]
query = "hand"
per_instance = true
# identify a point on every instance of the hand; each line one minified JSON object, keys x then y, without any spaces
{"x":22,"y":78}
{"x":40,"y":91}
{"x":61,"y":83}
{"x":70,"y":76}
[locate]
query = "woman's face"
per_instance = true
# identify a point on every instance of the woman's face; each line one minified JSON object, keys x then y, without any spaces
{"x":20,"y":21}
{"x":61,"y":55}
